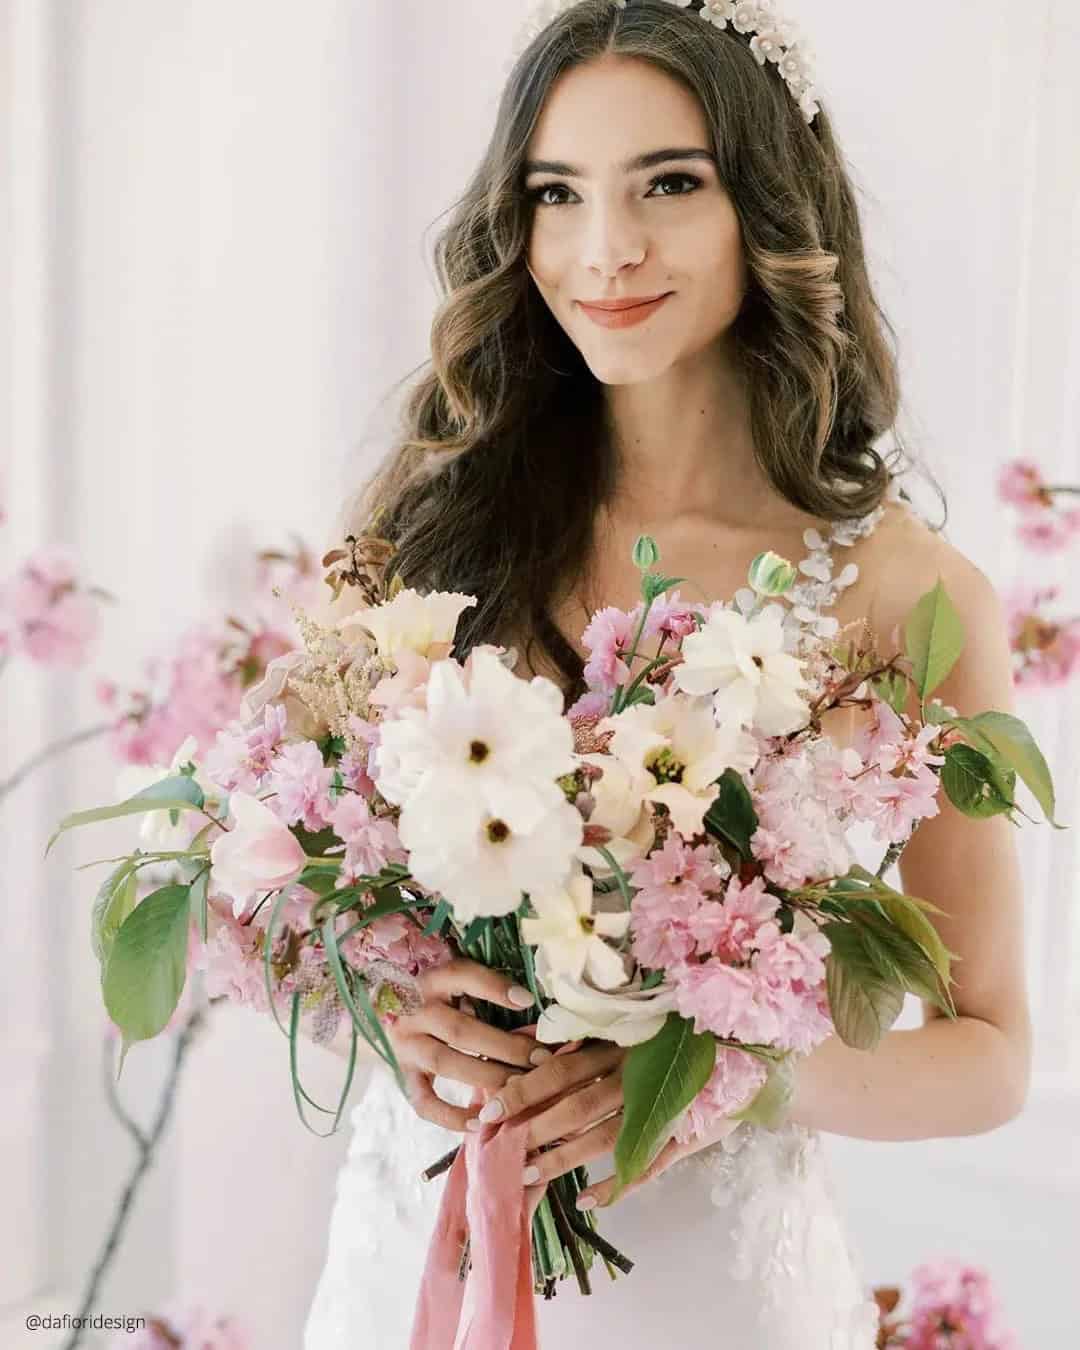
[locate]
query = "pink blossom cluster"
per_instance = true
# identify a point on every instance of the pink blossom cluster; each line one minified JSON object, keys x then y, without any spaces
{"x":734,"y":973}
{"x":180,"y":1328}
{"x":955,"y":1307}
{"x":46,"y":615}
{"x":609,"y":637}
{"x":194,"y":689}
{"x":1045,"y":646}
{"x":1044,"y":526}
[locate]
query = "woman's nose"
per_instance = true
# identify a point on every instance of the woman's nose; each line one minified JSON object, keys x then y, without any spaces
{"x":612,"y":244}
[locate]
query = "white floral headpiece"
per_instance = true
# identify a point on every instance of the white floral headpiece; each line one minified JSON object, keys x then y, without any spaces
{"x":772,"y":38}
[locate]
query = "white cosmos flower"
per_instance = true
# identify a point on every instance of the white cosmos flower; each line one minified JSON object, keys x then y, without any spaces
{"x":482,"y":864}
{"x":619,"y":806}
{"x":424,"y":623}
{"x":742,"y":663}
{"x":571,"y":936}
{"x":679,"y":745}
{"x":493,"y":740}
{"x":474,"y":773}
{"x":626,"y":1017}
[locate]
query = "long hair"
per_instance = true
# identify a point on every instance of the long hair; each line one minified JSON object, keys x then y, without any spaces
{"x":502,"y":462}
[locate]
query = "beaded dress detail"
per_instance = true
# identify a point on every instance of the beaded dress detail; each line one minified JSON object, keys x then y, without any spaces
{"x":740,"y":1246}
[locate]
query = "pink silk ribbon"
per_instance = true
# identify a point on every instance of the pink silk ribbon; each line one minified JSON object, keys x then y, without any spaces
{"x":485,"y":1199}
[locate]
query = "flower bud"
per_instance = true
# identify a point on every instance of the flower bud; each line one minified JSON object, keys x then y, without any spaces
{"x":646,"y":554}
{"x":771,"y":575}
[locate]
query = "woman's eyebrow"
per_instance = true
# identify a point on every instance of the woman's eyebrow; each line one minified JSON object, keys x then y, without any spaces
{"x":647,"y":161}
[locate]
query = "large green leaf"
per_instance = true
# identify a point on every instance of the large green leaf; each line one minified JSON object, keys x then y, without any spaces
{"x":732,"y":815}
{"x":975,"y":784}
{"x":179,"y":793}
{"x":1008,"y":738}
{"x":114,"y":902}
{"x":660,"y":1078}
{"x":934,"y":638}
{"x":145,"y":973}
{"x":863,"y":1002}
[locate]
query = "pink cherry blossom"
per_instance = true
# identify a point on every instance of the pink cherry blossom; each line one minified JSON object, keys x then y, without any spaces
{"x":1020,"y":483}
{"x":735,"y":1081}
{"x":239,"y":759}
{"x":730,"y":928}
{"x":607,"y":638}
{"x":45,"y":615}
{"x":951,"y":1294}
{"x":300,"y":784}
{"x":370,"y":842}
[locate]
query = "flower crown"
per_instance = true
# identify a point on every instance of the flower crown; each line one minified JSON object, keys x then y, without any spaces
{"x":772,"y":38}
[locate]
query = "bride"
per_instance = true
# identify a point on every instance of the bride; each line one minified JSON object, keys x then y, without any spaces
{"x":658,"y":320}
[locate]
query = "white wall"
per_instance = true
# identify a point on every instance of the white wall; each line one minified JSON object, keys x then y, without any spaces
{"x":216,"y":258}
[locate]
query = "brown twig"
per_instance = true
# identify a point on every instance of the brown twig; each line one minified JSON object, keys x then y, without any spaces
{"x":441,"y":1165}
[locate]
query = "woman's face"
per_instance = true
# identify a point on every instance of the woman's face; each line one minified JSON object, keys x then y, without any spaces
{"x":626,"y":204}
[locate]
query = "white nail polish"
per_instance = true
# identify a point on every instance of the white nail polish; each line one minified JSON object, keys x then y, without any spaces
{"x":491,"y":1111}
{"x":531,"y":1175}
{"x":518,"y":994}
{"x":585,"y":1202}
{"x":539,"y":1055}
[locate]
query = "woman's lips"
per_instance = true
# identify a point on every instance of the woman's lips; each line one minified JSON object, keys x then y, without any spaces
{"x":623,"y":318}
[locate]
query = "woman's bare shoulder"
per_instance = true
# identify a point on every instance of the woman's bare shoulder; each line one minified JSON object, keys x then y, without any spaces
{"x":904,"y":558}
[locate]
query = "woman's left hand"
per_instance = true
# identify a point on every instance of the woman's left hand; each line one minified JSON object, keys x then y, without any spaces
{"x":583,"y":1092}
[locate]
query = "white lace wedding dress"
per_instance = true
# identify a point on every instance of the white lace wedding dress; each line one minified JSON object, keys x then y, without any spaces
{"x":738,"y":1247}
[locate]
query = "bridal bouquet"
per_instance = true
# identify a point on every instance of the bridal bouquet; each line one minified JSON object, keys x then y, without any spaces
{"x":664,"y":864}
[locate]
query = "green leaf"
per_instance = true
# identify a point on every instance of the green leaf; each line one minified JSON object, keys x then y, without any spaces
{"x":114,"y":902}
{"x":1009,"y":739}
{"x":732,"y":815}
{"x":653,"y":586}
{"x":904,"y":959}
{"x":435,"y":924}
{"x":769,"y":1107}
{"x":934,"y":638}
{"x":179,"y":793}
{"x":660,"y":1078}
{"x":892,"y":688}
{"x":199,"y":889}
{"x":975,"y":784}
{"x":863,"y":1002}
{"x":144,"y":976}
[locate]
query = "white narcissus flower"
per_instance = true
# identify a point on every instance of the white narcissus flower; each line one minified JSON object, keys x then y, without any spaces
{"x":475,"y":774}
{"x":423,"y":623}
{"x":682,"y":749}
{"x":627,"y":1017}
{"x":571,"y":936}
{"x":259,"y":853}
{"x":742,"y":663}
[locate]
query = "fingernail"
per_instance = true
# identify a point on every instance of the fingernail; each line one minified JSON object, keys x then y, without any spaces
{"x":585,"y":1201}
{"x":531,"y":1176}
{"x":473,"y":1124}
{"x":518,"y":994}
{"x":491,"y":1111}
{"x":539,"y":1055}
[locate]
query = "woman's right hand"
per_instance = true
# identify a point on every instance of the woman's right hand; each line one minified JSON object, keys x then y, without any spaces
{"x":439,"y":1038}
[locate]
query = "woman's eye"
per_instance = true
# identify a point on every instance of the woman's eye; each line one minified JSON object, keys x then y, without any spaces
{"x":684,"y":184}
{"x":693,"y":180}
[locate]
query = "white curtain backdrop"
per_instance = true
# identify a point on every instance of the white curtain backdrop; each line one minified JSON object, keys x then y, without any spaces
{"x":215,"y":228}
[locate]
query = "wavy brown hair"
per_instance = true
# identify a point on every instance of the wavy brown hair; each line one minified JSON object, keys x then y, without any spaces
{"x":503,"y":460}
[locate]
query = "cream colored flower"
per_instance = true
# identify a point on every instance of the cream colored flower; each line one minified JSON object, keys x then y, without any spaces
{"x":679,"y":745}
{"x":627,"y":1017}
{"x":619,"y":806}
{"x":423,"y":623}
{"x":571,"y":936}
